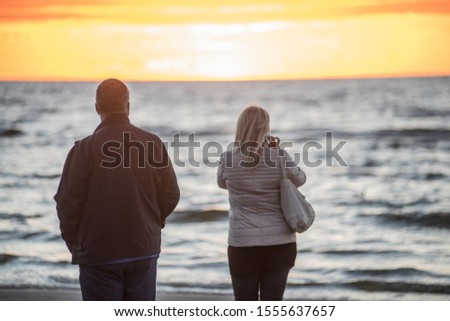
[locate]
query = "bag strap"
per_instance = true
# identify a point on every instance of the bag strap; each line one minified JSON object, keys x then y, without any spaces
{"x":282,"y":165}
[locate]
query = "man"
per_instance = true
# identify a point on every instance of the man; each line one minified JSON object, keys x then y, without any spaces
{"x":117,"y":188}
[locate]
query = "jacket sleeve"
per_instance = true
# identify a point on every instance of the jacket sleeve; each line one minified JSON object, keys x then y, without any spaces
{"x":71,"y":194}
{"x":170,"y":192}
{"x":220,"y":173}
{"x":294,"y":172}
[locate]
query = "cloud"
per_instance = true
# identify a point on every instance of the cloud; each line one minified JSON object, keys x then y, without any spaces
{"x":49,"y":3}
{"x":422,"y":7}
{"x":33,"y":16}
{"x":196,"y":11}
{"x":41,"y":10}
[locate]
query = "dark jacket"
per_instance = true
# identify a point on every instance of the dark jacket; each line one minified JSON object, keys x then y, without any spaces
{"x":117,"y":188}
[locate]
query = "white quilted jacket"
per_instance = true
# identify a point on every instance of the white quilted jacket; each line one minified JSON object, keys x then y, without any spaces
{"x":255,"y":217}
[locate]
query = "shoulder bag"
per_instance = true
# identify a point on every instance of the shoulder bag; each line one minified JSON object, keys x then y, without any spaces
{"x":297,"y":212}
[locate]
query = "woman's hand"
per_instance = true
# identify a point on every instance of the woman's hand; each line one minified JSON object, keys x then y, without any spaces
{"x":273,"y":141}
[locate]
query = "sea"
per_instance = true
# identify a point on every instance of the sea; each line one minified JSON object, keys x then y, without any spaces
{"x":376,"y":153}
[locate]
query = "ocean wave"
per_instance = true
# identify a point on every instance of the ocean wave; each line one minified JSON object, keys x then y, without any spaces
{"x":441,"y":133}
{"x":11,"y":132}
{"x":47,"y":176}
{"x":379,"y":286}
{"x":400,"y":138}
{"x":30,"y":260}
{"x":21,"y":235}
{"x":431,"y":176}
{"x":393,"y":138}
{"x":433,"y":133}
{"x":198,"y":216}
{"x":63,"y":279}
{"x":22,"y":218}
{"x":167,"y":131}
{"x":357,"y":252}
{"x":5,"y":258}
{"x":434,"y":219}
{"x":26,"y":236}
{"x":33,"y":286}
{"x":384,"y":203}
{"x":6,"y":102}
{"x":23,"y":177}
{"x":196,"y":286}
{"x":409,"y":272}
{"x":37,"y":261}
{"x":54,"y":237}
{"x":421,"y":112}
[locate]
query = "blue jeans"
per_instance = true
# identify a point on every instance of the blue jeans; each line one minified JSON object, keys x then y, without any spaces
{"x":131,"y":281}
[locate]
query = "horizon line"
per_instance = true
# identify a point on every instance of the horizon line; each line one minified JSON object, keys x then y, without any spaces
{"x":175,"y":80}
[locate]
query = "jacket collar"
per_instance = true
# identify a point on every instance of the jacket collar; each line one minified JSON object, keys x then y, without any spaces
{"x":114,"y":119}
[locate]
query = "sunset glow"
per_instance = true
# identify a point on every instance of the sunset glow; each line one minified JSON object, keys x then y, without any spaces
{"x":222,"y":40}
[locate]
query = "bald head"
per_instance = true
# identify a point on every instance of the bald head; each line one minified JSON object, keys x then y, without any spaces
{"x":112,"y":97}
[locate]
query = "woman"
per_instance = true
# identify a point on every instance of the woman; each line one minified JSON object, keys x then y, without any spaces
{"x":262,"y":248}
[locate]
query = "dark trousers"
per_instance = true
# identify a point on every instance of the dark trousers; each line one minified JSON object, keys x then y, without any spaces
{"x":131,"y":281}
{"x":261,"y":272}
{"x":270,"y":286}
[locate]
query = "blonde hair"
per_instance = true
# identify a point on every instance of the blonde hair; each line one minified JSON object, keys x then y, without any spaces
{"x":252,"y":126}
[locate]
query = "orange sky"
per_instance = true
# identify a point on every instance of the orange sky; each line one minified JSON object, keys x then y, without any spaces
{"x":222,"y":40}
